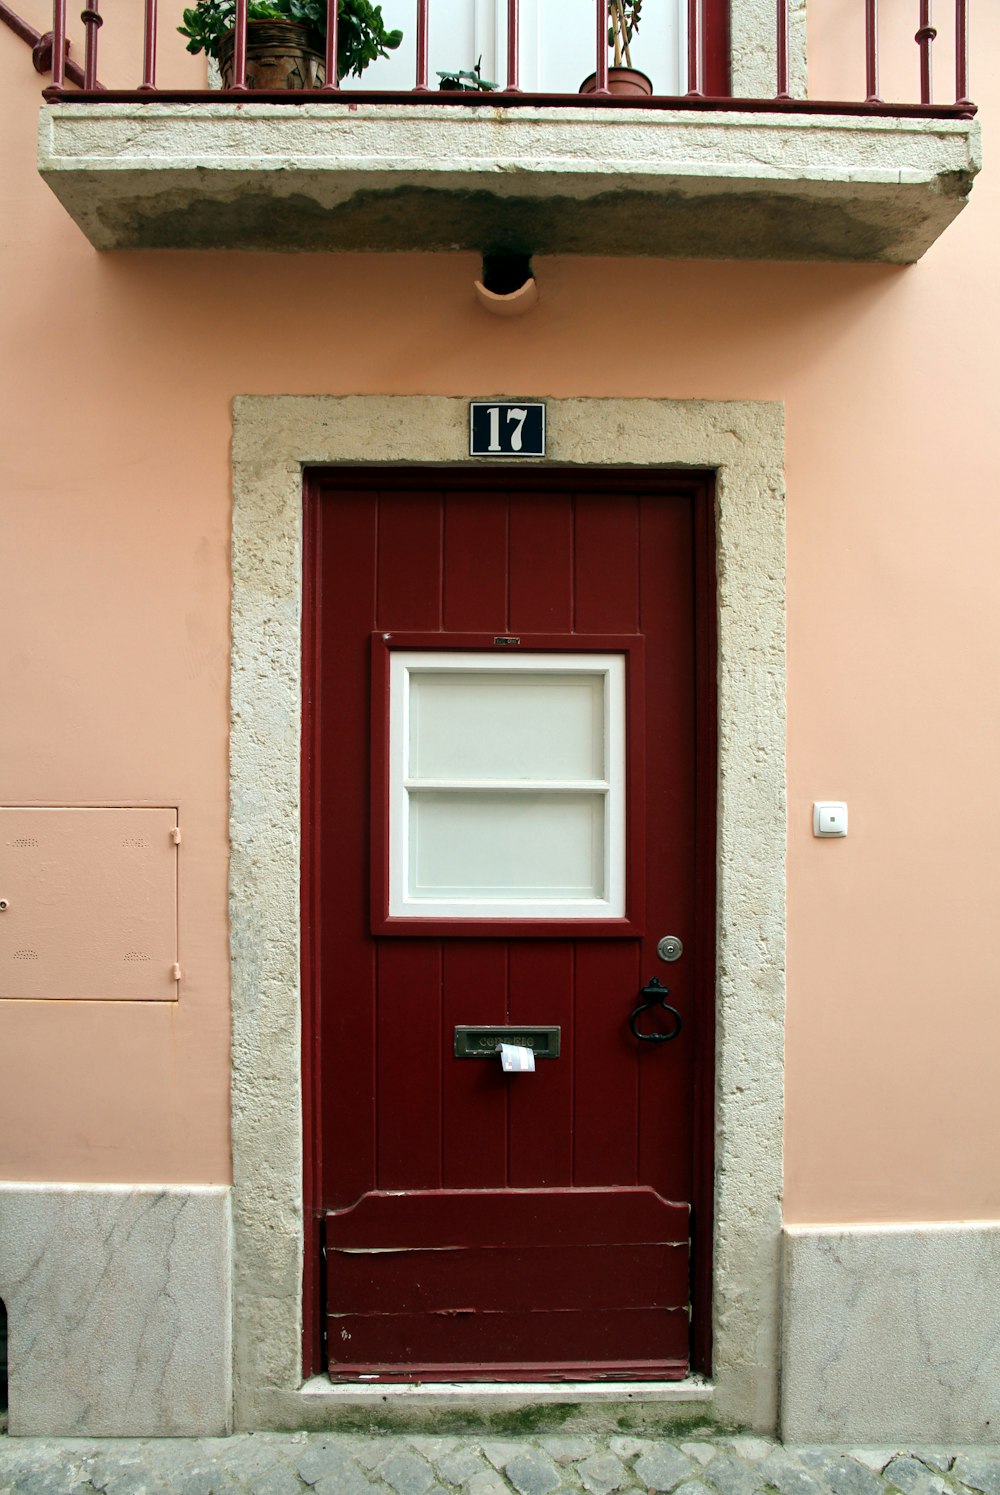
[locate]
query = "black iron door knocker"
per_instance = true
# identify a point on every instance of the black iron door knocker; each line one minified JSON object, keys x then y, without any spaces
{"x":654,"y":995}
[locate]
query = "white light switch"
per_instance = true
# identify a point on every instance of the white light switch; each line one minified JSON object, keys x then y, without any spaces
{"x":829,"y":817}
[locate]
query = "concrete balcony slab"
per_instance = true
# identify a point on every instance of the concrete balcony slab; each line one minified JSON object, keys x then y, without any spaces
{"x":545,"y":179}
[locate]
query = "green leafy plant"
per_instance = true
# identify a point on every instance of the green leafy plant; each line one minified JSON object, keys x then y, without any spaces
{"x":361,"y":31}
{"x":467,"y":81}
{"x":624,"y":16}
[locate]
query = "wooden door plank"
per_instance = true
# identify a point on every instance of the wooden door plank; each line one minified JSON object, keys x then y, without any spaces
{"x":408,"y":1020}
{"x":534,"y":1371}
{"x":666,"y":1070}
{"x":409,"y":1064}
{"x":474,"y":1091}
{"x":475,"y":563}
{"x":344,"y":961}
{"x":541,"y":563}
{"x":410,"y":536}
{"x":605,"y":1067}
{"x":444,"y":1218}
{"x":504,"y":1279}
{"x":541,"y":1104}
{"x":606,"y":563}
{"x":469,"y":1337}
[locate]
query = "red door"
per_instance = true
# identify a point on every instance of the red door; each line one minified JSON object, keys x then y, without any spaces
{"x":477,"y":1223}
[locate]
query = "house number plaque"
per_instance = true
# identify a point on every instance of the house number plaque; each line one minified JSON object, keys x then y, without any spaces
{"x":508,"y":430}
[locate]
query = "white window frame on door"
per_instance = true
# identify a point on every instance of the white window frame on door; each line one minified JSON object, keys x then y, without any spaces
{"x":404,"y":785}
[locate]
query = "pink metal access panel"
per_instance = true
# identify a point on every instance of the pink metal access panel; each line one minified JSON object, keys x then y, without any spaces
{"x":89,"y":903}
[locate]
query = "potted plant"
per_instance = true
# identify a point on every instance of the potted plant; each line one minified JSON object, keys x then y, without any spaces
{"x":623,"y":78}
{"x":465,"y":80}
{"x":286,"y":39}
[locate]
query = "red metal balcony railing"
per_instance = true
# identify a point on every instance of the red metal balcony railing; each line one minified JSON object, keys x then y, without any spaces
{"x":702,"y":44}
{"x":41,"y":45}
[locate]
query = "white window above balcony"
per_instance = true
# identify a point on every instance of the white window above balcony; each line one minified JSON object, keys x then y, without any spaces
{"x":557,"y":44}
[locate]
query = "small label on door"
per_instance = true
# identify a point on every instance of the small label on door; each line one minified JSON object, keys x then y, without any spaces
{"x":506,"y":430}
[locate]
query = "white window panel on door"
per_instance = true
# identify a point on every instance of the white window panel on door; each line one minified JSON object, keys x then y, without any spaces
{"x":557,"y":44}
{"x":500,"y":724}
{"x":506,"y":785}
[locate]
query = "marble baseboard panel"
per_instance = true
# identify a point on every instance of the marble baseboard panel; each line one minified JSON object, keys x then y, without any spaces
{"x":118,"y":1306}
{"x":891,"y":1334}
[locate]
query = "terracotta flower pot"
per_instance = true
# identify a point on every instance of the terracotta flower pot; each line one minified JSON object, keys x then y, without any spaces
{"x":621,"y":80}
{"x":278,"y":56}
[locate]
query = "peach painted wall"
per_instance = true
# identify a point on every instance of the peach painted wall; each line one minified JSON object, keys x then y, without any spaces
{"x":116,"y":424}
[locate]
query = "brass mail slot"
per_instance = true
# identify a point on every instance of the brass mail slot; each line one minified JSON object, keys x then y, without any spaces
{"x":484,"y":1043}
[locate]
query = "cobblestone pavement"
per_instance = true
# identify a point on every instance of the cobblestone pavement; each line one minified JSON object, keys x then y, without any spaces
{"x":348,"y":1464}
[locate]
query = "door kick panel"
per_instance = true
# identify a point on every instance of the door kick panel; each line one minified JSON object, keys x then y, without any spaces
{"x":507,"y":1281}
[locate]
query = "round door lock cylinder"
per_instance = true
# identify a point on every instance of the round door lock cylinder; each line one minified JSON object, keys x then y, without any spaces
{"x":669,"y":948}
{"x":4,"y":905}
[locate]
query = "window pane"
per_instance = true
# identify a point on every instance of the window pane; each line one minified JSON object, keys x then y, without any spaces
{"x":514,"y":844}
{"x":490,"y":725}
{"x":506,"y":784}
{"x":557,"y":43}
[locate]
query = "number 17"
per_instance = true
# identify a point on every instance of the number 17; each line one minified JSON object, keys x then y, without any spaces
{"x":515,"y":417}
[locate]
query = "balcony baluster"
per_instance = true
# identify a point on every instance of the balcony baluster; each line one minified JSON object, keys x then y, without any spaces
{"x":93,"y":21}
{"x":695,"y":51}
{"x":423,"y":49}
{"x":601,"y":70}
{"x":926,"y":33}
{"x":782,"y":51}
{"x":332,"y":84}
{"x":239,"y":83}
{"x":148,"y":84}
{"x":871,"y":52}
{"x":513,"y":47}
{"x":59,"y":44}
{"x":962,"y":53}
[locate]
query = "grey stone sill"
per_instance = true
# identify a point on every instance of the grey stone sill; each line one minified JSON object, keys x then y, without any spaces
{"x":498,"y":1407}
{"x":508,"y":1394}
{"x":542,"y":179}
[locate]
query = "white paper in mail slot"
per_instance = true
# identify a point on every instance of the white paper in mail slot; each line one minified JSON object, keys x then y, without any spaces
{"x":516,"y":1060}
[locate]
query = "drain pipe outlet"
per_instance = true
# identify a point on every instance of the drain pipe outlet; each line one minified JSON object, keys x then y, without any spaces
{"x":508,"y":288}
